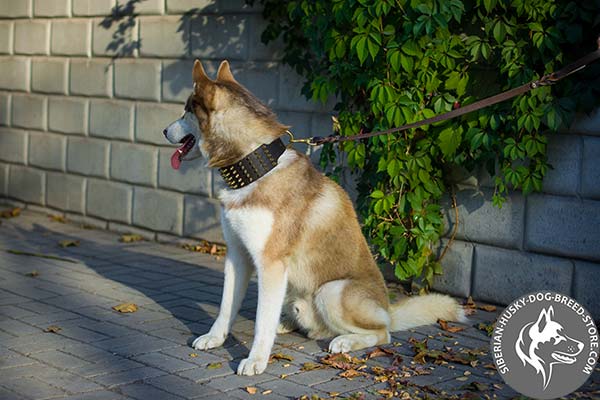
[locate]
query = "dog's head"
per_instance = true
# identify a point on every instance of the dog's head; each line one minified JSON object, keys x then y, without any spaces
{"x":544,"y":343}
{"x":222,"y":121}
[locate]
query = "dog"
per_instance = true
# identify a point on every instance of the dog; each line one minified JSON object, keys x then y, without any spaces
{"x":295,"y":227}
{"x":543,"y":344}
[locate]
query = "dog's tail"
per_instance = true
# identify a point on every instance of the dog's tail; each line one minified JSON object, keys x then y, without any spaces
{"x":424,"y":310}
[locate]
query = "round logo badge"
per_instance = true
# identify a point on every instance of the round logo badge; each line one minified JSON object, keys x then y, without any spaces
{"x":545,"y":345}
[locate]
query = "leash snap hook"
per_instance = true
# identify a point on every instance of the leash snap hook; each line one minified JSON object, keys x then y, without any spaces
{"x":294,"y":140}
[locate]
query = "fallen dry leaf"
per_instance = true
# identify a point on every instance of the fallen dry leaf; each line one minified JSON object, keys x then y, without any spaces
{"x":13,"y":212}
{"x":309,"y":366}
{"x":52,"y":329}
{"x":487,"y":328}
{"x":251,"y":389}
{"x":470,"y":303}
{"x":380,"y":352}
{"x":206,"y":247}
{"x":487,"y":308}
{"x":333,"y":394}
{"x":32,"y":274}
{"x":266,"y":392}
{"x":280,"y":356}
{"x":475,"y":387}
{"x":130,"y":238}
{"x":489,"y":366}
{"x":193,"y":355}
{"x":462,"y":378}
{"x":386,"y":392}
{"x":342,"y":361}
{"x":452,"y":329}
{"x":68,"y":243}
{"x":214,"y":365}
{"x":351,"y":373}
{"x":283,"y":376}
{"x":126,"y":308}
{"x":57,"y":218}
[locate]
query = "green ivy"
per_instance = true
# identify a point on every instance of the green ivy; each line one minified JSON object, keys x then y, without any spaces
{"x":392,"y":62}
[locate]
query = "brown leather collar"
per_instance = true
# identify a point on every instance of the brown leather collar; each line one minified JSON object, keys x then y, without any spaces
{"x":254,"y":166}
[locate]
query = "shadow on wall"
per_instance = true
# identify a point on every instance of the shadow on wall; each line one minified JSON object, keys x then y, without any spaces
{"x":202,"y":36}
{"x":123,"y":16}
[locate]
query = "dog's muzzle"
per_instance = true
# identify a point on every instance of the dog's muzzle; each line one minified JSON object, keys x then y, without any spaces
{"x":188,"y":143}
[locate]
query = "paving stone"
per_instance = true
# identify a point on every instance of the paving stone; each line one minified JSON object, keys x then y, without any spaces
{"x":563,"y":226}
{"x":33,"y":388}
{"x":134,"y":163}
{"x":98,"y":395}
{"x":29,"y":111}
{"x":51,"y":8}
{"x":138,"y":79}
{"x":164,"y":362}
{"x":63,"y":32}
{"x":164,"y":36}
{"x":32,"y":36}
{"x":91,"y":77}
{"x":13,"y":145}
{"x":295,"y":390}
{"x":47,"y":151}
{"x":144,"y":391}
{"x":203,"y":374}
{"x":50,"y":75}
{"x":503,"y":275}
{"x":132,"y":375}
{"x":15,"y":73}
{"x":87,"y":156}
{"x":181,"y":387}
{"x":60,"y":359}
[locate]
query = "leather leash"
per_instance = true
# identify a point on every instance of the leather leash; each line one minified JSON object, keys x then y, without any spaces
{"x":548,"y":79}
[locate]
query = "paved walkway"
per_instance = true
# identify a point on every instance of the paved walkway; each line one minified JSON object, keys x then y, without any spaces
{"x":94,"y":352}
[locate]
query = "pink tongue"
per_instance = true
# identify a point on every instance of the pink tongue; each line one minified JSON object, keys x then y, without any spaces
{"x":176,"y":158}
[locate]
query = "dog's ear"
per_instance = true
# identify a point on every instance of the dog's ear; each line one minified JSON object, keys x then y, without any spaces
{"x":224,"y":72}
{"x":199,"y":76}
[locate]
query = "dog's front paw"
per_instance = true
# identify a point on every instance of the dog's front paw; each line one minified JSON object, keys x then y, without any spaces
{"x":207,"y":341}
{"x":252,"y":366}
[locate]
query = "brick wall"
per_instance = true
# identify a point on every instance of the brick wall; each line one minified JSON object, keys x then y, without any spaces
{"x":548,"y":240}
{"x":86,"y":87}
{"x":85,"y":93}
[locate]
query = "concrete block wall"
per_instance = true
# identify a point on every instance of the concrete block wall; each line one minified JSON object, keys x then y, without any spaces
{"x":544,"y":241}
{"x":86,"y":87}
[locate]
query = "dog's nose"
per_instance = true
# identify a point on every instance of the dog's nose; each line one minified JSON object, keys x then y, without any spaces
{"x":165,"y":132}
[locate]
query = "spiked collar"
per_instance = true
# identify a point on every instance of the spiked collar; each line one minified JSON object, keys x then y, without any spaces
{"x":253,"y":166}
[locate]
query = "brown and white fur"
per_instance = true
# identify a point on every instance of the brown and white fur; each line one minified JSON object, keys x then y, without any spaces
{"x":298,"y":230}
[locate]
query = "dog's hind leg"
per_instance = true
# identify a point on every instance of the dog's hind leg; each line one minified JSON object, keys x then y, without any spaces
{"x":349,"y":310}
{"x":238,"y":268}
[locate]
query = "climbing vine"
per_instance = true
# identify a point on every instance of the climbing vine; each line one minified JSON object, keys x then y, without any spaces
{"x":392,"y":62}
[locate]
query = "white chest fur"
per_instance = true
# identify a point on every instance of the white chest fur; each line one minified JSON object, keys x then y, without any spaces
{"x":253,"y":226}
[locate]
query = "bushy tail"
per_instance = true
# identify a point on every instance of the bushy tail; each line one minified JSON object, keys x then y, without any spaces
{"x":424,"y":310}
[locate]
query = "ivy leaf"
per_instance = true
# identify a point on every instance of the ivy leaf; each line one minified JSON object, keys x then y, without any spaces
{"x":361,"y":49}
{"x":449,"y":140}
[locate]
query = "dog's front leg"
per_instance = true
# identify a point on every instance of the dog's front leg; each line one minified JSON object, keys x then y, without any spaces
{"x":238,"y":268}
{"x":272,"y":283}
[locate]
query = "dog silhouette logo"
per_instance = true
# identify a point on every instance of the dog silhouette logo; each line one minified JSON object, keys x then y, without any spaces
{"x":545,"y":345}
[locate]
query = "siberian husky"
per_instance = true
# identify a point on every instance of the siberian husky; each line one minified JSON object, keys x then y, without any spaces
{"x":296,"y":228}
